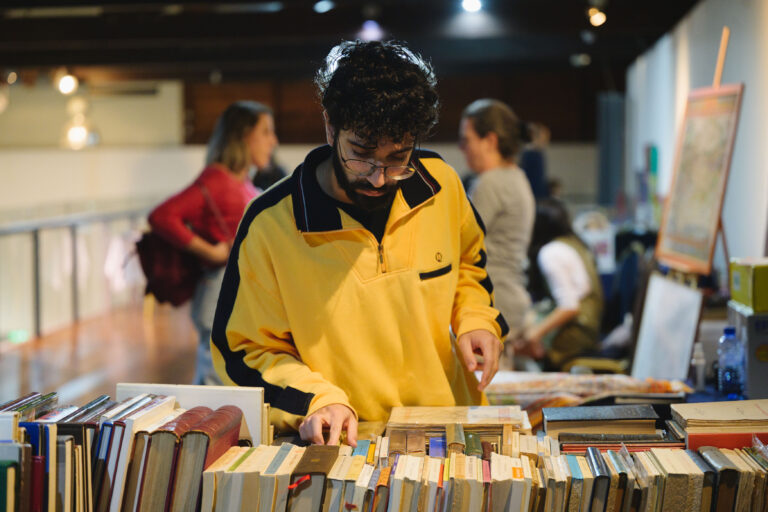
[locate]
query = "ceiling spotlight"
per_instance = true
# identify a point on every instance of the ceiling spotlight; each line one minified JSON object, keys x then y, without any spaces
{"x":371,"y":31}
{"x":471,"y":5}
{"x":597,"y":18}
{"x":323,"y":6}
{"x":67,"y":84}
{"x":77,"y":136}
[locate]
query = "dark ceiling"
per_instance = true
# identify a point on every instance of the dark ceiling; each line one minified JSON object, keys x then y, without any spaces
{"x":190,"y":40}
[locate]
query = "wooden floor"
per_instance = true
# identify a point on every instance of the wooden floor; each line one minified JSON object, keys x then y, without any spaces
{"x":149,"y":343}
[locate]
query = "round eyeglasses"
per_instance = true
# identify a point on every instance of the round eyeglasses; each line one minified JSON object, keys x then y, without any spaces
{"x":364,"y":168}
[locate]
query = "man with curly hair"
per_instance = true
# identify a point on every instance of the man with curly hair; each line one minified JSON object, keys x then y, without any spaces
{"x":346,"y":279}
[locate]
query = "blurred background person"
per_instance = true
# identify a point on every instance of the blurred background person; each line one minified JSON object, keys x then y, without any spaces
{"x":244,"y":136}
{"x":555,"y":188}
{"x":562,"y":269}
{"x":532,"y":160}
{"x":265,"y":177}
{"x":489,"y":138}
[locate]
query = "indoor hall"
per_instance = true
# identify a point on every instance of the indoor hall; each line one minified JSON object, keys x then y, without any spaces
{"x":108,"y":109}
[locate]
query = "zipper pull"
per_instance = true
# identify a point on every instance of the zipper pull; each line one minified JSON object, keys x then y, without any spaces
{"x":381,"y":258}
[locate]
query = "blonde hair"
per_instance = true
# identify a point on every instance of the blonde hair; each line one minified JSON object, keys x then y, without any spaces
{"x":227,"y":144}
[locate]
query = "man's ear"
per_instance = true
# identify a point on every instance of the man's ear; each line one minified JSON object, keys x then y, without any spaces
{"x":330,"y":133}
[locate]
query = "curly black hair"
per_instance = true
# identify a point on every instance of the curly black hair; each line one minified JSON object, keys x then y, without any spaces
{"x":378,"y":90}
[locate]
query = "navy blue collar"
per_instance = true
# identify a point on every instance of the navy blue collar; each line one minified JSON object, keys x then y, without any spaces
{"x":315,"y":211}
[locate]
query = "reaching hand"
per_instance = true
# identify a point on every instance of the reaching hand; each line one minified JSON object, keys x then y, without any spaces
{"x":483,"y":343}
{"x":336,"y":417}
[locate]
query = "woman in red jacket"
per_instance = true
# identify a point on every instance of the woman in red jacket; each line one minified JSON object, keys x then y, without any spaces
{"x":203,"y":217}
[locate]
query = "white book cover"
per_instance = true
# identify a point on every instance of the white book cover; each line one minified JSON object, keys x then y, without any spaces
{"x":9,"y":427}
{"x":249,"y":399}
{"x":518,"y":488}
{"x":283,"y":479}
{"x":525,"y":462}
{"x":139,"y":420}
{"x":435,"y":469}
{"x":361,"y":485}
{"x":335,"y":483}
{"x":396,"y":484}
{"x":383,"y":448}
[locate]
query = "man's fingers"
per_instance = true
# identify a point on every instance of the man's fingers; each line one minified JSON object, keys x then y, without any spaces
{"x":312,"y":430}
{"x":352,"y":431}
{"x":335,"y":431}
{"x":468,"y":355}
{"x":491,"y":363}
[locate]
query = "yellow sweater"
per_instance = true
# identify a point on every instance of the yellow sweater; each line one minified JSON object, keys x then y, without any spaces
{"x":317,"y":312}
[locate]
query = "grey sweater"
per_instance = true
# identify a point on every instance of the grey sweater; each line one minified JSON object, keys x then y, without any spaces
{"x":504,"y":200}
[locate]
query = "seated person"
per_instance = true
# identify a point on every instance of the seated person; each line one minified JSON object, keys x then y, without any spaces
{"x":563,"y":269}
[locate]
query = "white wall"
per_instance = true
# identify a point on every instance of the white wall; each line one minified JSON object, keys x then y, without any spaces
{"x":37,"y":116}
{"x":657,"y":86}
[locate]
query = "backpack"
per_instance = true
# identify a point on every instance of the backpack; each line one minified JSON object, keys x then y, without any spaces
{"x":172,"y":273}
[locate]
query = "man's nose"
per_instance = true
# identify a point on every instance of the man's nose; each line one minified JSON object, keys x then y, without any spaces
{"x":377,"y":179}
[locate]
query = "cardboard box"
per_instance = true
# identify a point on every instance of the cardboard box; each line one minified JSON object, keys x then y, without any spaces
{"x":752,"y":330}
{"x":749,"y":282}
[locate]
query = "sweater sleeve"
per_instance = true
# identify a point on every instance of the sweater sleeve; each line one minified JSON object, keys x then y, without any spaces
{"x":252,"y":343}
{"x":171,"y":218}
{"x":473,"y":302}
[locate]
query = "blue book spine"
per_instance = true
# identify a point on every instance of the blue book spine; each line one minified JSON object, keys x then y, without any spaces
{"x":282,"y":453}
{"x":573,"y":465}
{"x":362,"y":448}
{"x":437,"y":447}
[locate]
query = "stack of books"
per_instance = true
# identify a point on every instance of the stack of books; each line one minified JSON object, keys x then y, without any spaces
{"x":143,"y":452}
{"x":608,"y":428}
{"x":722,"y":424}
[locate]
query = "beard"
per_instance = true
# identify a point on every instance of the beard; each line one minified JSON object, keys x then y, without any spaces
{"x":352,"y":189}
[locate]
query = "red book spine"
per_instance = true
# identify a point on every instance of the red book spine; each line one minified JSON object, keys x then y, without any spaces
{"x":723,"y":439}
{"x":38,"y":483}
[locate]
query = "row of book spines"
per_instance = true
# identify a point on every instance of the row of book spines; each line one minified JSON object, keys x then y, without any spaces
{"x":45,"y":407}
{"x":511,"y":443}
{"x":550,"y":470}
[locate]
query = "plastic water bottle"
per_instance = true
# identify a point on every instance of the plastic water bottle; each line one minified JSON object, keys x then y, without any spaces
{"x":730,"y":373}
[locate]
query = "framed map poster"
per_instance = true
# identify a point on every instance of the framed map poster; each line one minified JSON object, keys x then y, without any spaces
{"x":691,"y":218}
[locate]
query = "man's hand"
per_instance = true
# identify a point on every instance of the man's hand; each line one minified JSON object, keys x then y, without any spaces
{"x":485,"y":344}
{"x":336,"y":417}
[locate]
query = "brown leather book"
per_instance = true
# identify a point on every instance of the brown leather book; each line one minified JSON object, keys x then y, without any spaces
{"x":205,"y":442}
{"x":415,"y":443}
{"x":154,"y":482}
{"x":397,"y":444}
{"x":308,"y":478}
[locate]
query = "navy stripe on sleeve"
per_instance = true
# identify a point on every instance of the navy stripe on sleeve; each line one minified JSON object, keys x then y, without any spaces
{"x":288,"y":399}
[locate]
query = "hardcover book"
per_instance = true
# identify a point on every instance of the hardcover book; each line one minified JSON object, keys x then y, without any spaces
{"x":205,"y":442}
{"x":163,"y":445}
{"x":617,"y":419}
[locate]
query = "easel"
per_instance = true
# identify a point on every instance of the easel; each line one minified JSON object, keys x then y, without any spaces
{"x":682,"y":279}
{"x":681,"y":275}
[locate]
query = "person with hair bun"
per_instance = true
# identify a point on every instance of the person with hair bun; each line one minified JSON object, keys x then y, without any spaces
{"x":349,"y":277}
{"x":243,"y":137}
{"x":489,"y":137}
